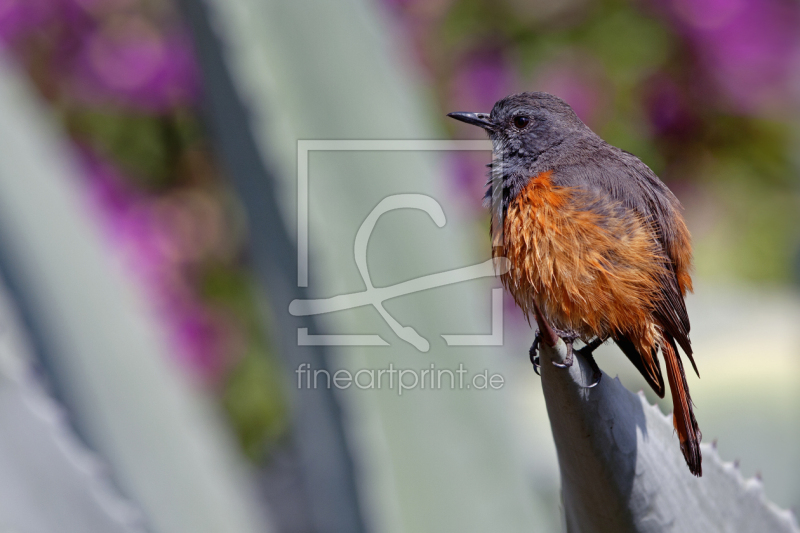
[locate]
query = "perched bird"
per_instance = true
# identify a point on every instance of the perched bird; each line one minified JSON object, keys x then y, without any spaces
{"x":597,"y":243}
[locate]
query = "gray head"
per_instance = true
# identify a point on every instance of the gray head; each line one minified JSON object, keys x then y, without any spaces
{"x":527,"y":131}
{"x":525,"y":125}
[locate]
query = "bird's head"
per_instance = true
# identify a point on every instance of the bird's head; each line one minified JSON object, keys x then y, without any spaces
{"x":525,"y":125}
{"x":522,"y":128}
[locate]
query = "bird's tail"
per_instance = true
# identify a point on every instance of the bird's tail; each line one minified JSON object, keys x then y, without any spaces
{"x":683,"y":416}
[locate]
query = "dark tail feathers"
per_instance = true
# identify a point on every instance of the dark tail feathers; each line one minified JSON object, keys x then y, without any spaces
{"x":683,"y":416}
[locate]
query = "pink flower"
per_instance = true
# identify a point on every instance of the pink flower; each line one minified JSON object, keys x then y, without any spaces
{"x":483,"y":78}
{"x":749,"y":47}
{"x":129,"y":61}
{"x":468,"y":173}
{"x":577,"y":84}
{"x":667,"y":107}
{"x":20,"y":17}
{"x":204,"y":340}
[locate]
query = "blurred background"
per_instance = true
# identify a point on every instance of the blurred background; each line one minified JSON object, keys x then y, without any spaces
{"x":148,"y":251}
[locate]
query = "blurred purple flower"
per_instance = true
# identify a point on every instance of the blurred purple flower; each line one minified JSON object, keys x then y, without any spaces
{"x":202,"y":339}
{"x":398,"y":5}
{"x":515,"y":318}
{"x":131,"y":62}
{"x":667,"y":107}
{"x":130,"y":224}
{"x":483,"y":78}
{"x":750,"y":47}
{"x":576,"y":84}
{"x":418,"y":10}
{"x":19,"y":17}
{"x":100,"y":6}
{"x":468,"y":173}
{"x":102,"y":51}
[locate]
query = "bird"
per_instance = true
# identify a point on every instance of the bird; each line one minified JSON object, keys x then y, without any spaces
{"x":597,"y":244}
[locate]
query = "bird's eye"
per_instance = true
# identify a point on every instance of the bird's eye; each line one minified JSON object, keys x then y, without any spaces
{"x":521,"y":122}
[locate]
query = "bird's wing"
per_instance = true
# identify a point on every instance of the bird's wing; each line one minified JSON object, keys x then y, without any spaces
{"x":651,"y":372}
{"x":621,"y":176}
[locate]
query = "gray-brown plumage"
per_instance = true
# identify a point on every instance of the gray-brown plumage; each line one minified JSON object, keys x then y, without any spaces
{"x":596,"y":240}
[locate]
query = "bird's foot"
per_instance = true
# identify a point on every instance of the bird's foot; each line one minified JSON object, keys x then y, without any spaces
{"x":534,"y":352}
{"x":569,"y":338}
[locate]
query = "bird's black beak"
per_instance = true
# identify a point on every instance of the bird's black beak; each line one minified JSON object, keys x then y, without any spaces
{"x":476,"y":119}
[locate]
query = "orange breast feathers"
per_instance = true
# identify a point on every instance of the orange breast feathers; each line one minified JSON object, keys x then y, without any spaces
{"x":592,"y":265}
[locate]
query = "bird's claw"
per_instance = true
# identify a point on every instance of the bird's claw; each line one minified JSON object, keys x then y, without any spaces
{"x":533,"y":352}
{"x":567,"y":362}
{"x":586,"y":351}
{"x":568,"y":339}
